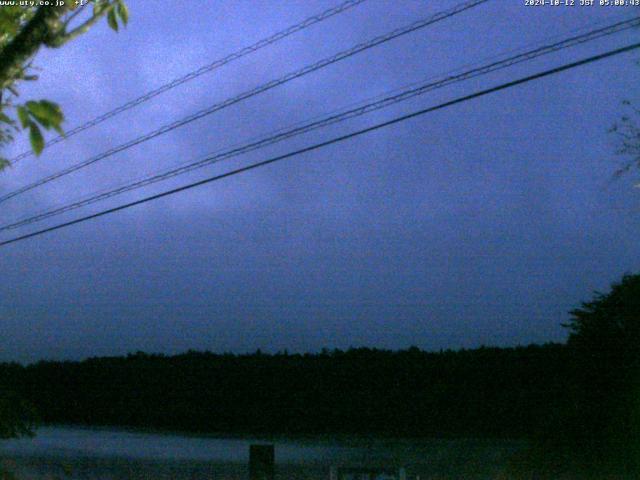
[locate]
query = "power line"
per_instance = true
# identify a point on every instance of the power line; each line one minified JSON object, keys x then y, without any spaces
{"x":332,"y":141}
{"x":260,"y":89}
{"x":200,"y":71}
{"x":331,"y":119}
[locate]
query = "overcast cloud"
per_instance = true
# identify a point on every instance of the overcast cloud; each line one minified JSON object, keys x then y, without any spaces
{"x":480,"y":224}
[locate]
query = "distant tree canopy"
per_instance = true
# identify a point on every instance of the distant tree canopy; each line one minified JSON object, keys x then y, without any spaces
{"x":23,"y":31}
{"x":494,"y":392}
{"x":580,"y":400}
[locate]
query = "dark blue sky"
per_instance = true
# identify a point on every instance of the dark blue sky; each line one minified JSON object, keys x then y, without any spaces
{"x":480,"y":224}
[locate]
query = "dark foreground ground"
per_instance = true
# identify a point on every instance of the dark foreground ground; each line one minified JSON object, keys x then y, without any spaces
{"x":116,"y":469}
{"x":451,"y":460}
{"x":501,"y":461}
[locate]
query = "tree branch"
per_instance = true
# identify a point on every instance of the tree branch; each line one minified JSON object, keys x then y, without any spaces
{"x":38,"y":31}
{"x":80,"y":29}
{"x":75,"y":13}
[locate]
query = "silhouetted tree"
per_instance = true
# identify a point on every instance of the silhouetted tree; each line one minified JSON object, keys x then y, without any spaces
{"x":605,"y":342}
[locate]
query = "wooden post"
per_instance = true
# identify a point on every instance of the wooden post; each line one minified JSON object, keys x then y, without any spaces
{"x":261,"y":462}
{"x":333,"y":473}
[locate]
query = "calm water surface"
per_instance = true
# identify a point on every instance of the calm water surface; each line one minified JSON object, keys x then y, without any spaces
{"x":110,"y":454}
{"x":87,"y":442}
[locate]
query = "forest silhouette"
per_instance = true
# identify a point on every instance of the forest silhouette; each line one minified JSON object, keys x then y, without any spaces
{"x":580,"y":399}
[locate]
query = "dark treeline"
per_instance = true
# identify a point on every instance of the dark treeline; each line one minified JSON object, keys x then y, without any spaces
{"x":502,"y":392}
{"x":579,"y":401}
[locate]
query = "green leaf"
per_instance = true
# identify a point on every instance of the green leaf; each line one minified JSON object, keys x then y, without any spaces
{"x":23,"y":115}
{"x":112,"y":20}
{"x":35,"y":136}
{"x":5,"y":119}
{"x":4,"y":163}
{"x":99,"y":6}
{"x":47,"y":113}
{"x":54,"y":108}
{"x":32,"y":108}
{"x":123,"y":12}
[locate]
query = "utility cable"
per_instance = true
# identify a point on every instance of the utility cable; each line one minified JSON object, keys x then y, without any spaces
{"x":200,"y":71}
{"x":260,"y":89}
{"x":345,"y":115}
{"x":332,"y":141}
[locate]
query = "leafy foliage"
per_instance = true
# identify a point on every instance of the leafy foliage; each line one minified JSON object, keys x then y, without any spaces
{"x":605,"y":352}
{"x":44,"y":113}
{"x":23,"y":31}
{"x":12,"y":20}
{"x":610,"y":323}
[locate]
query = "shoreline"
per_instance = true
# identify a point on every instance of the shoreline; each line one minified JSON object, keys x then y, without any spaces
{"x":106,"y":453}
{"x":280,"y":437}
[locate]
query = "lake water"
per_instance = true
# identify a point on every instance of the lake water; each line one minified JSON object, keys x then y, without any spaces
{"x":109,"y":451}
{"x":73,"y":442}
